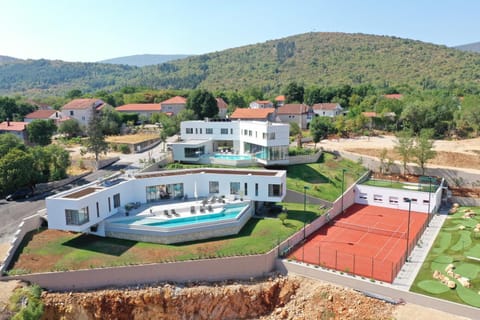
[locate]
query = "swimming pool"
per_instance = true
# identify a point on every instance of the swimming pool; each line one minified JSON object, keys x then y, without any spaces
{"x":232,"y":156}
{"x":226,"y":214}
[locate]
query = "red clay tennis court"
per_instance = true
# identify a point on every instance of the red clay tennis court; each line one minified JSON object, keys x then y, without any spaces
{"x":365,"y":240}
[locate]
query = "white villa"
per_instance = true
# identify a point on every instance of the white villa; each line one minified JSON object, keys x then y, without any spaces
{"x":167,"y":206}
{"x":223,"y":141}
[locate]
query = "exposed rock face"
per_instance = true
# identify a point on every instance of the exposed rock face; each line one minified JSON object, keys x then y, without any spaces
{"x":280,"y":298}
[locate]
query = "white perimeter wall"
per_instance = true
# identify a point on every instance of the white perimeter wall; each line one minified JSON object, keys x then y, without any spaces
{"x":374,"y":194}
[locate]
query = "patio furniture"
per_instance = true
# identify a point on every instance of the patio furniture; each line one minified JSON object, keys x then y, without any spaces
{"x":210,"y":208}
{"x":174,"y":213}
{"x":165,"y":212}
{"x":202,"y":209}
{"x":192,"y":209}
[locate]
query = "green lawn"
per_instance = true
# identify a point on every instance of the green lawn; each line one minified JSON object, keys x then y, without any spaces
{"x":324,"y":178}
{"x":69,"y":251}
{"x":453,"y":246}
{"x":399,"y":185}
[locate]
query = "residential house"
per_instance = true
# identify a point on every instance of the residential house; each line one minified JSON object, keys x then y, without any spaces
{"x":81,"y":109}
{"x":294,"y":112}
{"x":173,"y":105}
{"x":261,"y":142}
{"x":327,"y":109}
{"x":261,"y":104}
{"x":266,"y":114}
{"x":97,"y":207}
{"x":46,"y":114}
{"x":16,"y":128}
{"x":280,"y":100}
{"x":222,"y":108}
{"x":142,"y":109}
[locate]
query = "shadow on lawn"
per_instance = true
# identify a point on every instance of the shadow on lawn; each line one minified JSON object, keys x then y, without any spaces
{"x":108,"y":246}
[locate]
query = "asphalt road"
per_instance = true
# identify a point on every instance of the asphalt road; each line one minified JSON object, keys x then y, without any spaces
{"x":12,"y":212}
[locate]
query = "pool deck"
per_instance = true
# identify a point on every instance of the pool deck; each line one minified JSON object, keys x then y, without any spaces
{"x":156,"y":210}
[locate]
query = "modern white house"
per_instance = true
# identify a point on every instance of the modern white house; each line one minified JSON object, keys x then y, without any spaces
{"x":327,"y":109}
{"x":81,"y":109}
{"x":168,"y":204}
{"x":237,"y":142}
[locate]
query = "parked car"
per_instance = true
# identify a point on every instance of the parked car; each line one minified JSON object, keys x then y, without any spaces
{"x":23,"y":193}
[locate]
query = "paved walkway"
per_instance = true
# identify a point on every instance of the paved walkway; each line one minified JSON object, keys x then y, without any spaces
{"x":409,"y":271}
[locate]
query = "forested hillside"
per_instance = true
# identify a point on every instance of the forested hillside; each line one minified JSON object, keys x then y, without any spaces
{"x":320,"y":59}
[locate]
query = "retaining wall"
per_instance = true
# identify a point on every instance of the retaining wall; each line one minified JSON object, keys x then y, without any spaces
{"x":310,"y":158}
{"x":242,"y":268}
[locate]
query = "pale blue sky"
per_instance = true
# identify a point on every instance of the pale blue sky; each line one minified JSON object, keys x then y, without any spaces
{"x":92,"y":30}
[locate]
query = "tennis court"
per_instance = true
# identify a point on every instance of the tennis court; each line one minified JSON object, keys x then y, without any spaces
{"x":366,"y":240}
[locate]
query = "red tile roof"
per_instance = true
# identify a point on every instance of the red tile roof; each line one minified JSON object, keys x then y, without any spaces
{"x":175,"y":100}
{"x":280,"y":98}
{"x":369,"y":114}
{"x":13,"y":126}
{"x":325,"y":106}
{"x":41,"y":114}
{"x":247,"y":113}
{"x":293,"y":108}
{"x":138,"y":107}
{"x":263,"y":101}
{"x":221,"y":104}
{"x":80,"y":104}
{"x":393,"y":96}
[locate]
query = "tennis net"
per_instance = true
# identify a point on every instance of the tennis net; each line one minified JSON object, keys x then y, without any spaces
{"x":383,"y":232}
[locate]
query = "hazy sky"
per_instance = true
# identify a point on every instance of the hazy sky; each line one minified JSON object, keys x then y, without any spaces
{"x":92,"y":30}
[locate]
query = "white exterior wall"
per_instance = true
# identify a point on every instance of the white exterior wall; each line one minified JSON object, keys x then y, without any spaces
{"x":81,"y":115}
{"x":282,"y":132}
{"x":200,"y":133}
{"x":372,"y":194}
{"x":134,"y":190}
{"x":175,"y":108}
{"x":328,"y":113}
{"x":300,"y":119}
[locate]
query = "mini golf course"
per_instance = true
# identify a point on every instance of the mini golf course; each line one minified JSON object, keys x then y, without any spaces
{"x":451,"y":270}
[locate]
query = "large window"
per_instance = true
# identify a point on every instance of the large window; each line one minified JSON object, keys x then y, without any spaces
{"x":76,"y":217}
{"x":189,"y":130}
{"x":116,"y":200}
{"x":164,"y":191}
{"x":234,"y":187}
{"x":213,"y":187}
{"x":194,"y":152}
{"x":274,"y":190}
{"x":209,"y":130}
{"x":224,"y":131}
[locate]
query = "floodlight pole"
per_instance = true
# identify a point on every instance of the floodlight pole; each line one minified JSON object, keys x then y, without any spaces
{"x":343,"y":185}
{"x":304,"y":210}
{"x":408,"y":224}
{"x":429,"y":195}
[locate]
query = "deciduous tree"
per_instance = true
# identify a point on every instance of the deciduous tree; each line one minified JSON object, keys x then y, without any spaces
{"x":40,"y":132}
{"x":423,"y":149}
{"x":203,"y":104}
{"x":405,"y":147}
{"x":96,"y":143}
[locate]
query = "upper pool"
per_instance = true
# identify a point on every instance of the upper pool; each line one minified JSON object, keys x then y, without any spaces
{"x":226,"y":214}
{"x":232,"y":156}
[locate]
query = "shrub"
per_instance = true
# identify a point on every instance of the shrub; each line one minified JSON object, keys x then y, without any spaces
{"x":25,"y":303}
{"x":124,"y":148}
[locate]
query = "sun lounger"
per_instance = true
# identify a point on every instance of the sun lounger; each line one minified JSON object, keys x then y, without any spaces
{"x":165,"y":212}
{"x":174,"y":213}
{"x":192,"y":209}
{"x":210,"y":208}
{"x":202,"y":209}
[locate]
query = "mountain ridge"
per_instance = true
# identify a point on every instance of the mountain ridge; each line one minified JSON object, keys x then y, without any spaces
{"x":142,"y":60}
{"x":320,"y":59}
{"x":470,"y":47}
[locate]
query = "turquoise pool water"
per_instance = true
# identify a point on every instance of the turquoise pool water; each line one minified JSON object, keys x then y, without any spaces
{"x":232,"y":156}
{"x":225,"y":214}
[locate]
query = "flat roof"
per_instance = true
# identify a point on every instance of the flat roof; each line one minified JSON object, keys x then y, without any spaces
{"x":270,"y":173}
{"x":82,"y":193}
